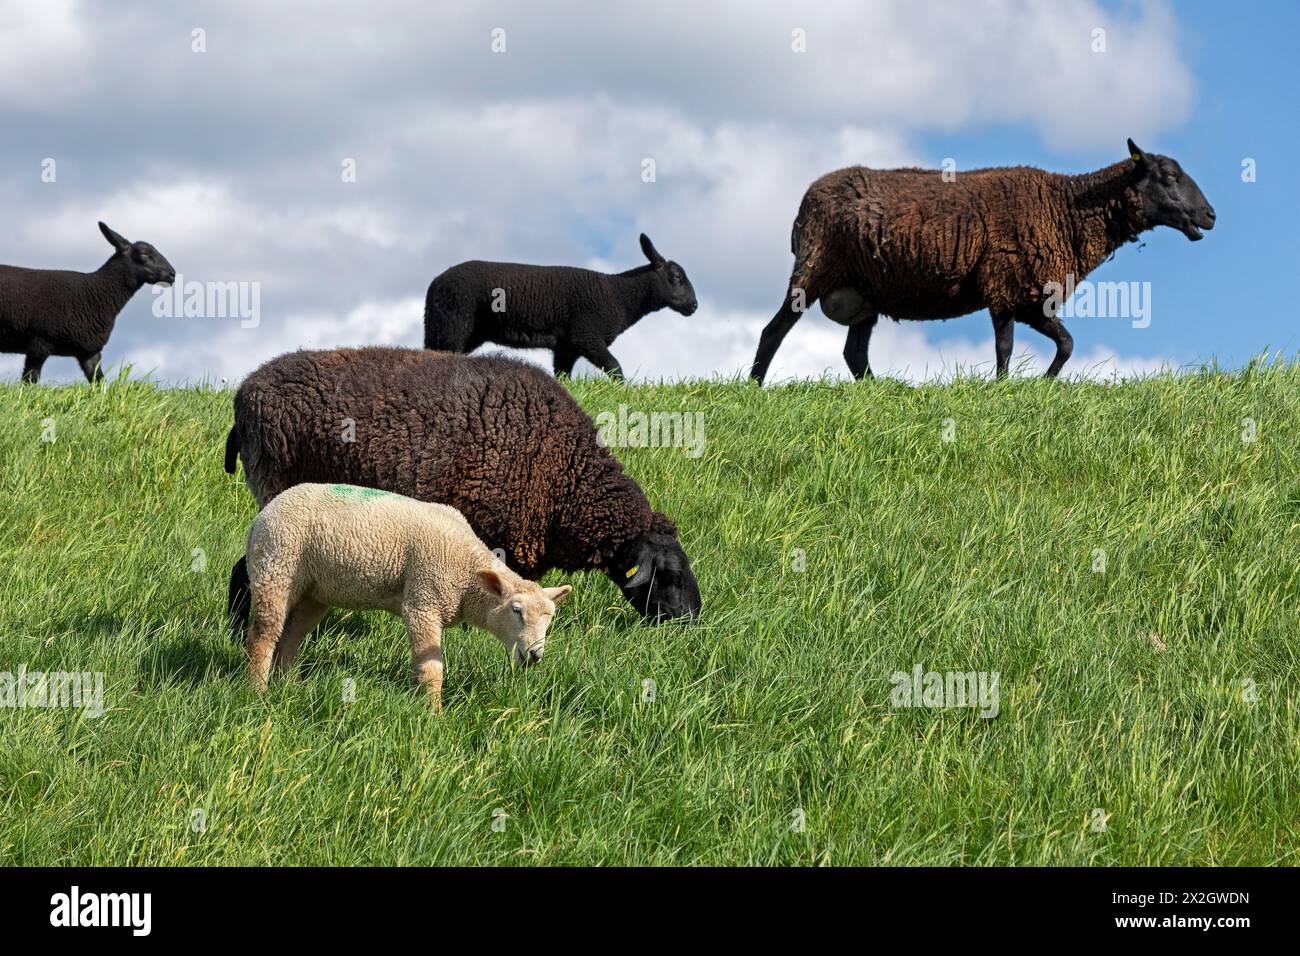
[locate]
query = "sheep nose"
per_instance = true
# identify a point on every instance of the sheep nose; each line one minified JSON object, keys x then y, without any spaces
{"x":533,"y":655}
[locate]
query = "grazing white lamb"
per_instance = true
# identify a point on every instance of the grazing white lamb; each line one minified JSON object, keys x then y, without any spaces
{"x":314,"y":547}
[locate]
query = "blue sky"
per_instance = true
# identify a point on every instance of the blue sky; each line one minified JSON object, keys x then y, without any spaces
{"x":228,"y":159}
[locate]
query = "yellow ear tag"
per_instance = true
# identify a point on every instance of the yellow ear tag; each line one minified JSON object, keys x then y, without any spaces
{"x":1137,"y":157}
{"x":631,"y":571}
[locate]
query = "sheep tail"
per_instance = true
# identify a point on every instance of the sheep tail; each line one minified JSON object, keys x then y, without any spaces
{"x":232,"y":450}
{"x":804,"y":252}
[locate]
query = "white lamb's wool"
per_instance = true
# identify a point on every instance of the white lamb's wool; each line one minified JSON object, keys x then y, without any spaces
{"x":320,"y":546}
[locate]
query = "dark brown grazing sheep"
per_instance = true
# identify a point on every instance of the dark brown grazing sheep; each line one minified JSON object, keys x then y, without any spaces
{"x":908,"y":244}
{"x":499,"y":440}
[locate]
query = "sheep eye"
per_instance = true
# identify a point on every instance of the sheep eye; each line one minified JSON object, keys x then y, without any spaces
{"x":518,"y":609}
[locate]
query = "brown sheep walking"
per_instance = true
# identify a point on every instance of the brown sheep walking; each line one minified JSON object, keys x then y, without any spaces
{"x":908,"y":244}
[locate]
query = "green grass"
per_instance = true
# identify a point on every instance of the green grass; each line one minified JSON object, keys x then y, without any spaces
{"x":971,"y":555}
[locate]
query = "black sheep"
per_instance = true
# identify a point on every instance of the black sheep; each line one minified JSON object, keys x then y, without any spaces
{"x":46,"y":312}
{"x":497,"y":439}
{"x":910,"y":244}
{"x":577,"y":313}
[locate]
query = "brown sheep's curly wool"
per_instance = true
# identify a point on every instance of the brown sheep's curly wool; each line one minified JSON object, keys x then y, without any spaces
{"x":499,"y":440}
{"x":931,"y":249}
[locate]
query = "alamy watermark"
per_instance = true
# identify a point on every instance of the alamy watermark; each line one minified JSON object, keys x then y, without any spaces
{"x":975,"y":689}
{"x":210,"y":300}
{"x":628,"y":428}
{"x":80,"y":689}
{"x":75,"y":908}
{"x":1099,"y":300}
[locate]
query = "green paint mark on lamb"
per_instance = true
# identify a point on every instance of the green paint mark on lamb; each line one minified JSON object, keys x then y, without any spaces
{"x":361,"y":494}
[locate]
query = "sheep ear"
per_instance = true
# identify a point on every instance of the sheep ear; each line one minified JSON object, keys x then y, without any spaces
{"x":557,"y":595}
{"x":650,"y":251}
{"x":115,"y":240}
{"x":492,"y":582}
{"x":639,"y":573}
{"x":1136,"y":154}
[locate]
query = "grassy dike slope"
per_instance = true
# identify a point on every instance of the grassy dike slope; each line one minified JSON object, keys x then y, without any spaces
{"x":975,"y":554}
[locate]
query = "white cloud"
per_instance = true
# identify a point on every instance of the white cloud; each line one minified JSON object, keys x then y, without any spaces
{"x":911,"y":64}
{"x":44,"y":49}
{"x":229,"y":161}
{"x":231,"y":351}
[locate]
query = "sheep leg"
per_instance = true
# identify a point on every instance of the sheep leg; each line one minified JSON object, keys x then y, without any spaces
{"x":270,"y":608}
{"x":855,"y":347}
{"x":302,"y":619}
{"x":565,"y":357}
{"x":424,"y":628}
{"x":32,"y":365}
{"x":598,"y":354}
{"x":773,"y":333}
{"x":90,"y":367}
{"x":238,"y":598}
{"x":1050,"y":326}
{"x":1004,"y":334}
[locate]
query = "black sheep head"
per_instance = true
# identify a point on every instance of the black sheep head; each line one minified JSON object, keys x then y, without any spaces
{"x":671,"y":286}
{"x":654,"y":574}
{"x":147,"y":264}
{"x":1169,"y":196}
